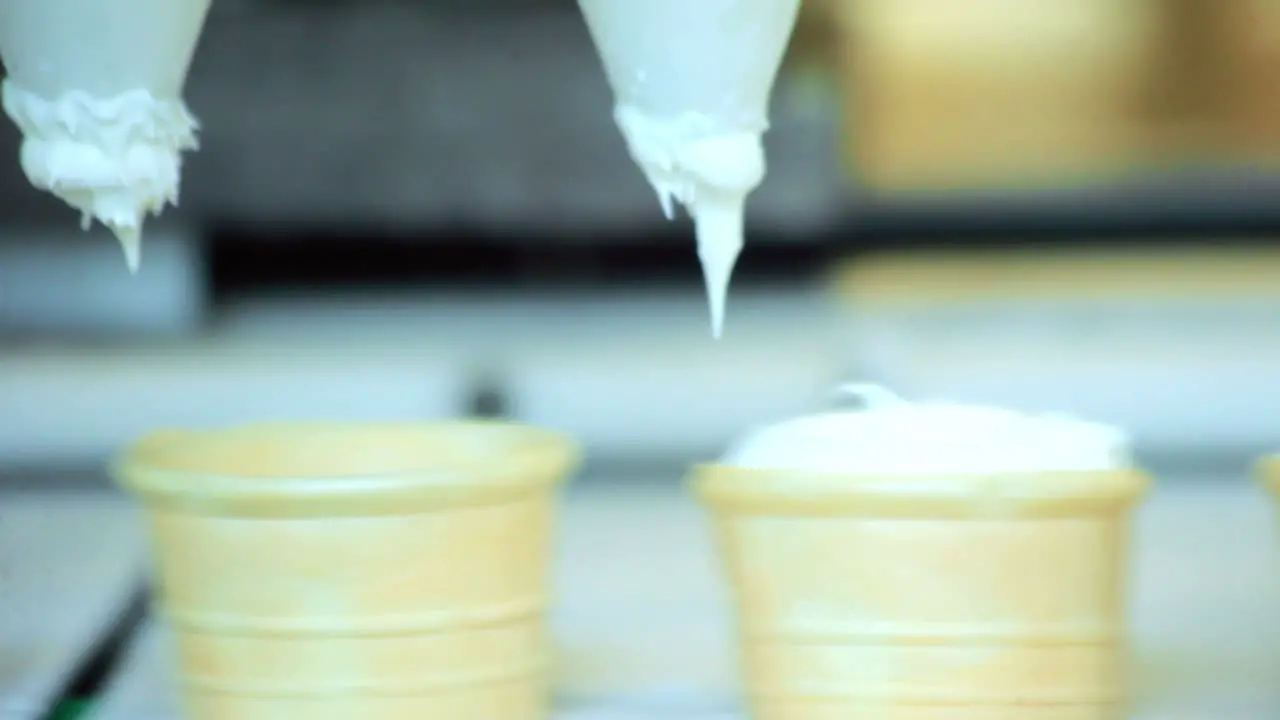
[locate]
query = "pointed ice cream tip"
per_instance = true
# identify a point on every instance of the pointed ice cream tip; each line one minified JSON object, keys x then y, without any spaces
{"x":717,"y":274}
{"x":718,"y":217}
{"x":130,"y":237}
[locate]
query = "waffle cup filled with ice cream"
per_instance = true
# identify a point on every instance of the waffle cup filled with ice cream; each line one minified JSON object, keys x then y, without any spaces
{"x":96,"y":90}
{"x":379,"y":572}
{"x":928,"y":561}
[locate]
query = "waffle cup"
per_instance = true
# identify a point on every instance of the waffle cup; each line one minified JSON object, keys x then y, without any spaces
{"x":96,"y":89}
{"x":998,"y":597}
{"x":355,"y":571}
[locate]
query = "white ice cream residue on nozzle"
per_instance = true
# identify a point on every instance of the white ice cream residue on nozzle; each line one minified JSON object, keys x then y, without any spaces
{"x":888,"y":435}
{"x":115,"y":159}
{"x":710,"y":172}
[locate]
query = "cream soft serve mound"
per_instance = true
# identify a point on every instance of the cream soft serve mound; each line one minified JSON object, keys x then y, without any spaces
{"x":887,"y":435}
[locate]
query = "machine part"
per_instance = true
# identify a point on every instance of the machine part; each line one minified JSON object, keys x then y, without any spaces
{"x":97,"y":95}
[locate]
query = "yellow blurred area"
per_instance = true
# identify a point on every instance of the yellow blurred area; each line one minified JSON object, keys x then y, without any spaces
{"x":955,"y":94}
{"x":1200,"y":274}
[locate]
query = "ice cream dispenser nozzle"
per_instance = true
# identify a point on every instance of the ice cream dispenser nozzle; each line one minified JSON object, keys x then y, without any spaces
{"x":96,"y":90}
{"x":691,"y":83}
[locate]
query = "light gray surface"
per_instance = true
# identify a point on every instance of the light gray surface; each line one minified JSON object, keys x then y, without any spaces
{"x":69,"y":565}
{"x":69,"y":281}
{"x":1187,"y":375}
{"x":631,"y":374}
{"x":636,"y":375}
{"x":637,"y":576}
{"x":75,"y":404}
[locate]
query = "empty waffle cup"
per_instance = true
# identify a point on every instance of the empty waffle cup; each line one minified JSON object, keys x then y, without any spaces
{"x":380,"y":572}
{"x":1000,"y":596}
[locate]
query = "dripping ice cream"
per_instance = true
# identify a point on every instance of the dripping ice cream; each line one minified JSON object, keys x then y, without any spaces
{"x":691,"y":84}
{"x":96,"y":89}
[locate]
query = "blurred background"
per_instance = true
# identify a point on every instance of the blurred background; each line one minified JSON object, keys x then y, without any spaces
{"x":421,"y":209}
{"x":415,"y":210}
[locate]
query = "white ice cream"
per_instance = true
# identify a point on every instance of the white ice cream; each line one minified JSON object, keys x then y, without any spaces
{"x":114,"y":159}
{"x":890,"y":436}
{"x":710,"y":169}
